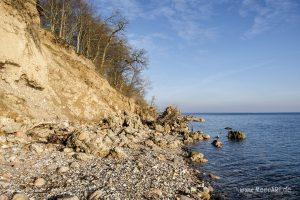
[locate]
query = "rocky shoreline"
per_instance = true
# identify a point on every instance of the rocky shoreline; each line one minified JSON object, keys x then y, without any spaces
{"x":121,"y":157}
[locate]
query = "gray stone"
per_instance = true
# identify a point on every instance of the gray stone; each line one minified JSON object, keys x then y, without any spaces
{"x":96,"y":195}
{"x":68,"y":198}
{"x":83,"y":156}
{"x":38,"y":148}
{"x":39,"y":182}
{"x":74,"y":165}
{"x":8,"y":125}
{"x":63,"y":169}
{"x":20,"y":196}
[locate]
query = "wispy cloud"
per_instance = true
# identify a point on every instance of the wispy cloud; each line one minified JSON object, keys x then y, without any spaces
{"x":191,"y":20}
{"x":129,"y":8}
{"x":149,"y":42}
{"x":221,"y":75}
{"x":267,"y":14}
{"x":186,"y":17}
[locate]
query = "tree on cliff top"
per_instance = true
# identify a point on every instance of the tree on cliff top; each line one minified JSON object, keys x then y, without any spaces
{"x":101,"y":40}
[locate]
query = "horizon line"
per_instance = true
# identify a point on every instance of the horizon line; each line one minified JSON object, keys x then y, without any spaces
{"x":285,"y":112}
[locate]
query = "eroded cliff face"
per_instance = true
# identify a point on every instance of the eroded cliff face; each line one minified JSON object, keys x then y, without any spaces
{"x":43,"y":81}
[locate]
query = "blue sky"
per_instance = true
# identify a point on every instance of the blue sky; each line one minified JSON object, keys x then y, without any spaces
{"x":218,"y":55}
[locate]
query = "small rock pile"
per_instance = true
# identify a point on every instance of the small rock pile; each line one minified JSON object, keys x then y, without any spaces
{"x":236,"y":135}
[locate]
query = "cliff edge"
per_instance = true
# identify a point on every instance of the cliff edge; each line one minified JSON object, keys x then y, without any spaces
{"x":43,"y":80}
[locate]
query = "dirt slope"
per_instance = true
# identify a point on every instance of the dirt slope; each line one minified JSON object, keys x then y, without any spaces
{"x":42,"y":80}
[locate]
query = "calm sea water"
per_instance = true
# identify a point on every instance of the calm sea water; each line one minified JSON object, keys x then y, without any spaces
{"x":266,"y":165}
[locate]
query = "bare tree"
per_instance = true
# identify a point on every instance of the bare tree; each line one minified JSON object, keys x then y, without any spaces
{"x":119,"y":26}
{"x":153,"y":102}
{"x":76,"y":23}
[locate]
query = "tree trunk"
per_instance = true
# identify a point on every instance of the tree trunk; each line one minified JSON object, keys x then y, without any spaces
{"x":62,"y":21}
{"x":79,"y":39}
{"x":105,"y":51}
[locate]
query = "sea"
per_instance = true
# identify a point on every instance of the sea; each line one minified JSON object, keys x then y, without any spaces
{"x":266,"y":165}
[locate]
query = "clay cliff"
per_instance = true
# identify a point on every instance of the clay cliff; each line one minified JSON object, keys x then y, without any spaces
{"x":44,"y":80}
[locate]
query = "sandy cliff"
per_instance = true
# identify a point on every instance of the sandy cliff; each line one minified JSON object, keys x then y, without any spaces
{"x":42,"y":80}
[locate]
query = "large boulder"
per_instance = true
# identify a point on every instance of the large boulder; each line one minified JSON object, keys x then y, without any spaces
{"x":236,"y":135}
{"x":171,"y":121}
{"x":169,"y":116}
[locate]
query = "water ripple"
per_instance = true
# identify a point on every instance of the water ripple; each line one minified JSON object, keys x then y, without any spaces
{"x":269,"y":157}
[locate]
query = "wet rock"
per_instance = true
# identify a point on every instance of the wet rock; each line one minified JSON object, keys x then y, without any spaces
{"x":215,"y":177}
{"x":228,"y":128}
{"x":188,"y":140}
{"x":206,"y":136}
{"x":196,"y":136}
{"x":217,"y":143}
{"x":39,"y":182}
{"x":204,"y":194}
{"x":96,"y":195}
{"x":20,"y":196}
{"x":197,"y":157}
{"x":210,"y":188}
{"x":236,"y":135}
